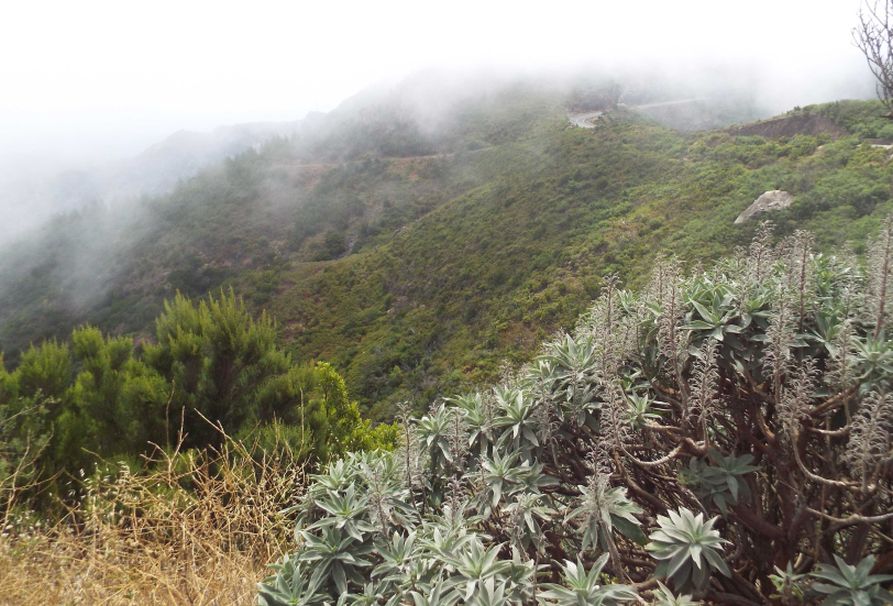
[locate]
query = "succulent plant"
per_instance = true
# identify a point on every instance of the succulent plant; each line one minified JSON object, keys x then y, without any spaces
{"x":719,"y":478}
{"x":603,"y":510}
{"x":687,"y":549}
{"x":334,"y":557}
{"x":664,"y":597}
{"x":289,"y":586}
{"x":580,"y":586}
{"x":789,"y":586}
{"x":852,"y":585}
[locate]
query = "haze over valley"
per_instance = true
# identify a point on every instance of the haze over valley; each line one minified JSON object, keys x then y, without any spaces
{"x":90,"y":126}
{"x":398,"y":303}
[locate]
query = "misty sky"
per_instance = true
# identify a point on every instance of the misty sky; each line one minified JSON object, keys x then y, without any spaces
{"x":93,"y":79}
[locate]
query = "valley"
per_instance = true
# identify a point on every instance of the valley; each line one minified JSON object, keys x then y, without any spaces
{"x":425,"y":259}
{"x":420,"y":304}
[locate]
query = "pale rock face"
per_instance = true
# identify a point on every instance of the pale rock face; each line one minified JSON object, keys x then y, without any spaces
{"x":774,"y":199}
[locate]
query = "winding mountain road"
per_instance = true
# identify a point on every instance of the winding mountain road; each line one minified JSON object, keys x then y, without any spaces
{"x":589,"y":119}
{"x":585,"y":119}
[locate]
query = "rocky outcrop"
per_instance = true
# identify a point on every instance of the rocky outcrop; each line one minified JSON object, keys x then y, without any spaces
{"x":774,"y":199}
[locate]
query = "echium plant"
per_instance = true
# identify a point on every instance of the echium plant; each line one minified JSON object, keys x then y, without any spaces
{"x":719,"y":480}
{"x":604,"y":510}
{"x":848,"y":585}
{"x":688,"y":550}
{"x":758,"y":390}
{"x":581,"y":586}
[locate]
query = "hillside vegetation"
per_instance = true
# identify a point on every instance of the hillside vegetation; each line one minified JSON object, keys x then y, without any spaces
{"x":212,"y":372}
{"x":418,"y":250}
{"x":719,"y":436}
{"x":192,"y":385}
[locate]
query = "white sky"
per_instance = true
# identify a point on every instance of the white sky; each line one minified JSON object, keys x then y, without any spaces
{"x":88,"y":78}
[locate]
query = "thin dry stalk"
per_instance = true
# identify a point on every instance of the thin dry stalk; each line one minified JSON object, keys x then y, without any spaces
{"x":198,"y":529}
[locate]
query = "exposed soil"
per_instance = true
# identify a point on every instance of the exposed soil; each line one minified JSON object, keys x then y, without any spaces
{"x":796,"y":124}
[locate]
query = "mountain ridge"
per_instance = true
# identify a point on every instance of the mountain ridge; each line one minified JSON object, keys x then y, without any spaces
{"x":402,"y":255}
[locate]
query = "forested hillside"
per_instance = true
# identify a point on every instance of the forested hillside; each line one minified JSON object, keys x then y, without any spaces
{"x":417,"y":245}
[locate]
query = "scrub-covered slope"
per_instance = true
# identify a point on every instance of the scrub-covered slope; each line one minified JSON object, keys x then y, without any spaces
{"x":491,"y":272}
{"x":416,"y":241}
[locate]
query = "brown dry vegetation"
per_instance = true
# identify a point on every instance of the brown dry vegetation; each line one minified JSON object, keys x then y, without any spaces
{"x":199,"y":529}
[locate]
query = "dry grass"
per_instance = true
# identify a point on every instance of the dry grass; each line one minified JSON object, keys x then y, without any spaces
{"x":199,"y":529}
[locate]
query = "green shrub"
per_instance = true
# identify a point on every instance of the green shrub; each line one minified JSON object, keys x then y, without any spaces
{"x":214,"y":370}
